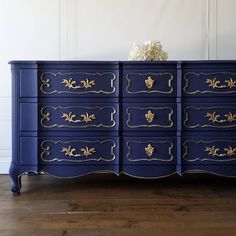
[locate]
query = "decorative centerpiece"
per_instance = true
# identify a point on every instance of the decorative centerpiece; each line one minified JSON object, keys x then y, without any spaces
{"x":148,"y":51}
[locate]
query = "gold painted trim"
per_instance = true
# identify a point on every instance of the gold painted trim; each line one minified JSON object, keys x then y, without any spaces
{"x":128,"y":147}
{"x":204,"y":159}
{"x":142,"y":177}
{"x":47,"y":150}
{"x":204,"y":91}
{"x":200,"y":171}
{"x":204,"y":108}
{"x":150,"y":125}
{"x":150,"y":91}
{"x":47,"y":83}
{"x":46,"y":116}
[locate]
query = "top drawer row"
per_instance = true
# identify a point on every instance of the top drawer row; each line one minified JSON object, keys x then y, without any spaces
{"x":136,"y":80}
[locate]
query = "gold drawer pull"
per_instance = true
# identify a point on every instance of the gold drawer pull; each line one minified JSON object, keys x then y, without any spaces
{"x":149,"y":150}
{"x":71,"y":84}
{"x":71,"y":118}
{"x":214,"y":151}
{"x":149,"y":82}
{"x":215,"y":118}
{"x":71,"y":152}
{"x":149,"y":116}
{"x":216,"y":84}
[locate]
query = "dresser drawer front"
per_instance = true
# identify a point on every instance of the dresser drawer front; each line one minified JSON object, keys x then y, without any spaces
{"x":78,"y":83}
{"x":149,"y":116}
{"x":63,"y":117}
{"x":209,"y":83}
{"x":83,"y":151}
{"x":149,"y":151}
{"x":87,"y":117}
{"x":209,"y":117}
{"x":151,"y":83}
{"x":209,"y":150}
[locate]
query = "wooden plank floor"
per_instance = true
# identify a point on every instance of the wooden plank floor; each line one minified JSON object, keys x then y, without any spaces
{"x":107,"y":205}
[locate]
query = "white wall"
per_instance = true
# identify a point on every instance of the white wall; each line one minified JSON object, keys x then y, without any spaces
{"x":105,"y":30}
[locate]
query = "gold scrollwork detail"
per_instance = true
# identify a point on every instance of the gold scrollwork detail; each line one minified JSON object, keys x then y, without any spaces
{"x":73,"y":88}
{"x":71,"y":118}
{"x":149,"y":82}
{"x":149,"y":150}
{"x":71,"y":152}
{"x":71,"y":84}
{"x":214,"y":83}
{"x":149,"y":116}
{"x":215,"y":118}
{"x":214,"y":151}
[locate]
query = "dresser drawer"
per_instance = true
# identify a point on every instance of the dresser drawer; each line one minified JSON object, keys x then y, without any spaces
{"x":79,"y":151}
{"x":209,"y":150}
{"x":69,"y":151}
{"x":69,"y":118}
{"x":149,"y":82}
{"x":146,"y":116}
{"x":79,"y":83}
{"x":149,"y":151}
{"x":209,"y":82}
{"x":209,"y":117}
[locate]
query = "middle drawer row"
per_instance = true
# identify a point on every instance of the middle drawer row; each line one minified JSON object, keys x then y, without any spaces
{"x":127,"y":117}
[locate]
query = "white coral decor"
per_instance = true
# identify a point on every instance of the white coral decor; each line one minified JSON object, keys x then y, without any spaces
{"x":148,"y":51}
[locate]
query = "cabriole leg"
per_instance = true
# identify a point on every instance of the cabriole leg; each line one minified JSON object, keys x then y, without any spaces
{"x":16,"y":179}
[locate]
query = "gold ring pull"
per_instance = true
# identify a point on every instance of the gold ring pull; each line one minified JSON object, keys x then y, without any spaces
{"x":71,"y":118}
{"x":216,"y":118}
{"x":217,"y":84}
{"x":149,"y":82}
{"x":149,"y":150}
{"x":215,"y":151}
{"x":149,"y":116}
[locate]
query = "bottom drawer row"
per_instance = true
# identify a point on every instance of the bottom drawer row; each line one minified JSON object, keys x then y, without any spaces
{"x":126,"y":151}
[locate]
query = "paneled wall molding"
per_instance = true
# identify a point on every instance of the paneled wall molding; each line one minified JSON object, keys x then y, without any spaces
{"x":68,"y":29}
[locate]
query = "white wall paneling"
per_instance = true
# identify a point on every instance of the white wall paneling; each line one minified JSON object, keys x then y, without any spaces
{"x":105,"y":30}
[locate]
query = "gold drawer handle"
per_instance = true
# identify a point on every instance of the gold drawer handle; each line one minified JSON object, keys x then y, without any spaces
{"x":214,"y":151}
{"x":71,"y":152}
{"x":71,"y":84}
{"x":215,"y":118}
{"x":149,"y":116}
{"x":216,"y":84}
{"x":149,"y":82}
{"x":149,"y":150}
{"x":71,"y":118}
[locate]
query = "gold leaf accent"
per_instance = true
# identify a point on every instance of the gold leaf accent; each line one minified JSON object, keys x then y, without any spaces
{"x":149,"y":150}
{"x":231,"y":83}
{"x":214,"y":117}
{"x":149,"y":116}
{"x":230,"y":117}
{"x":71,"y":84}
{"x":71,"y":118}
{"x":71,"y":152}
{"x":213,"y":151}
{"x":149,"y":82}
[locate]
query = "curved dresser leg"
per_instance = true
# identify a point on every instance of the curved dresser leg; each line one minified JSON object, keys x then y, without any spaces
{"x":16,"y":179}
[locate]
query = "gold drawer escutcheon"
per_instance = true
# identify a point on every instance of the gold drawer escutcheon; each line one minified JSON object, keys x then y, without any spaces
{"x":215,"y":118}
{"x":149,"y":82}
{"x":71,"y":118}
{"x":149,"y":116}
{"x":213,"y":83}
{"x":149,"y":150}
{"x":214,"y":151}
{"x":71,"y":84}
{"x":71,"y":152}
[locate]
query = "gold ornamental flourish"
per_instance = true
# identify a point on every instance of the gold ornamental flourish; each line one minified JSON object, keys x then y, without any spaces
{"x":149,"y":116}
{"x":149,"y":82}
{"x":213,"y":83}
{"x":71,"y":84}
{"x":214,"y":151}
{"x":71,"y":118}
{"x":71,"y":152}
{"x":215,"y":118}
{"x":149,"y":150}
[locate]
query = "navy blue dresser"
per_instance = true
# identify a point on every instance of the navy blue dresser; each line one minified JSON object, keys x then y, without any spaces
{"x":143,"y":119}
